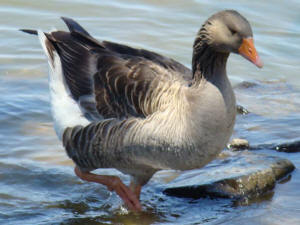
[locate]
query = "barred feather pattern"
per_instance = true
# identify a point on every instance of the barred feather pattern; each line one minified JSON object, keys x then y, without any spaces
{"x":89,"y":146}
{"x":123,"y":90}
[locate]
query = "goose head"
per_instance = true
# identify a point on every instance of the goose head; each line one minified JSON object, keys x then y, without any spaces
{"x":229,"y":32}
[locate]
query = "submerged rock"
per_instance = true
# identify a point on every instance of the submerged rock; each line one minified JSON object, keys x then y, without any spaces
{"x":242,"y":175}
{"x":289,"y":147}
{"x":246,"y":85}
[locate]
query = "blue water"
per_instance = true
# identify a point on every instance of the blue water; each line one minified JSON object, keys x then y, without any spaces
{"x":37,"y":184}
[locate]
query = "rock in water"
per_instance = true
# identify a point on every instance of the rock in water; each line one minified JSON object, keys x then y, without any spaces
{"x":239,"y":176}
{"x":238,"y":144}
{"x":241,"y":110}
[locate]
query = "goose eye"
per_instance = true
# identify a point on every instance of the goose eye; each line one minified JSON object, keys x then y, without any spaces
{"x":233,"y":32}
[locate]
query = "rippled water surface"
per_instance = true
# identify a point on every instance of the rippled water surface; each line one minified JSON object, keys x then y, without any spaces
{"x":37,"y":184}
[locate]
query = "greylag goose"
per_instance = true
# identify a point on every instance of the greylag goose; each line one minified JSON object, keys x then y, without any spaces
{"x":140,"y":112}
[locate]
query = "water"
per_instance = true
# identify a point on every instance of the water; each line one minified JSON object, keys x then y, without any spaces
{"x":37,"y":184}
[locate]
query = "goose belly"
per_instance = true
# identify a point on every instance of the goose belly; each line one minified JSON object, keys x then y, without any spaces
{"x":181,"y":145}
{"x":212,"y":121}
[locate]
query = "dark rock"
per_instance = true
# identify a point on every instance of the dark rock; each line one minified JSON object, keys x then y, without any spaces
{"x":289,"y":147}
{"x":241,"y":110}
{"x":237,"y":144}
{"x":242,"y":175}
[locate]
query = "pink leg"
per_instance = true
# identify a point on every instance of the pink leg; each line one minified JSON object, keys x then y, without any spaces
{"x":113,"y":183}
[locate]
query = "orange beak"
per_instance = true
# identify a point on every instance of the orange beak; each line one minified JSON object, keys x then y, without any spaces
{"x":248,"y":51}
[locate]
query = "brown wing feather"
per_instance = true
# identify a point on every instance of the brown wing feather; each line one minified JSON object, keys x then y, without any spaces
{"x":158,"y":59}
{"x":118,"y":99}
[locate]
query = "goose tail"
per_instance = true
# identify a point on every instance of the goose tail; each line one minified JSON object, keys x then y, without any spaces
{"x":65,"y":110}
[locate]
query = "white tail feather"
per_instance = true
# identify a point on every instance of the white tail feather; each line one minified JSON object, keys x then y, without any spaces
{"x":65,"y":111}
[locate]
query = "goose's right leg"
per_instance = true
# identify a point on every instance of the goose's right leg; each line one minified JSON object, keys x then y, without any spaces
{"x":113,"y":183}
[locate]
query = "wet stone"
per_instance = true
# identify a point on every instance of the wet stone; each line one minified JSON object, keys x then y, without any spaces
{"x":238,"y":144}
{"x":241,"y":110}
{"x":242,"y":175}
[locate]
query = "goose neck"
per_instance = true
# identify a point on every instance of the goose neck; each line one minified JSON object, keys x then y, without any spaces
{"x":207,"y":64}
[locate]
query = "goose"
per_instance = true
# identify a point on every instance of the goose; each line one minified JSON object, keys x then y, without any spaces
{"x":137,"y":111}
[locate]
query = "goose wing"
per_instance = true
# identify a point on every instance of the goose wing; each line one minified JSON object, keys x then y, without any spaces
{"x":110,"y":80}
